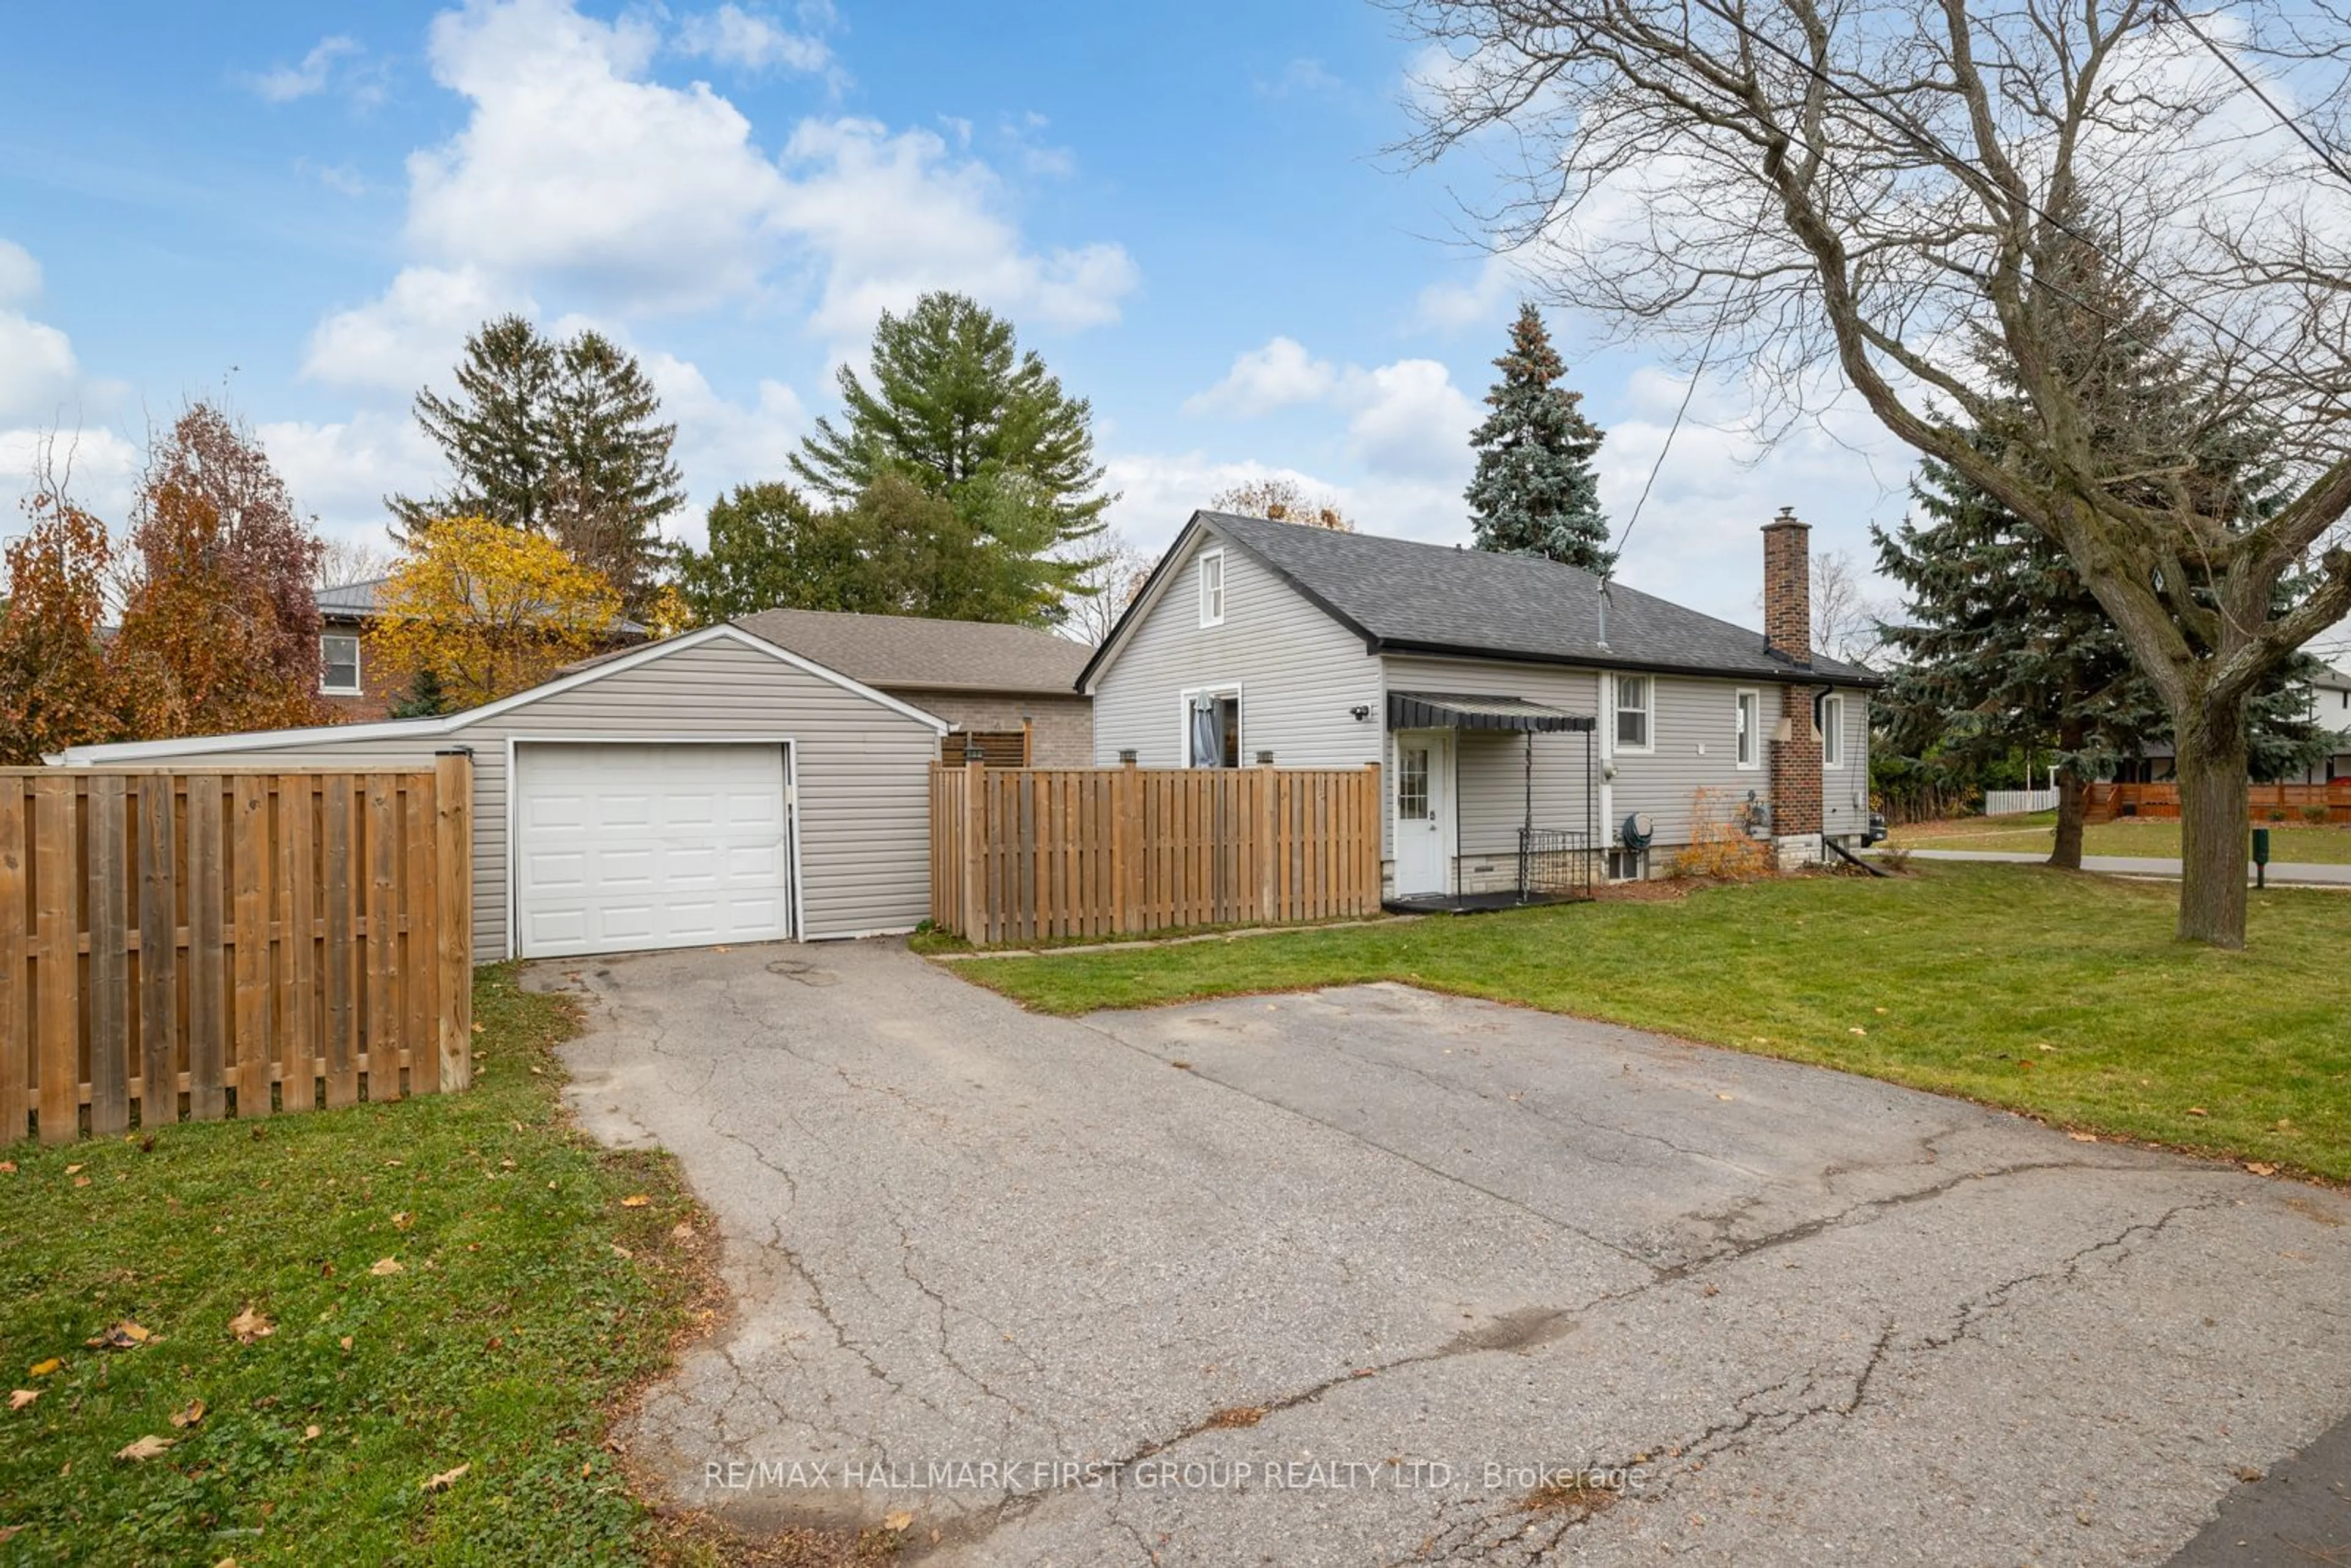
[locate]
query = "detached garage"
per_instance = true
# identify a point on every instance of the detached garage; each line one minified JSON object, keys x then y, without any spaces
{"x":710,"y":788}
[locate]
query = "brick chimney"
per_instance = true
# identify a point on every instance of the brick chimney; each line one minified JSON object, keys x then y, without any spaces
{"x":1795,"y":761}
{"x":1788,"y":587}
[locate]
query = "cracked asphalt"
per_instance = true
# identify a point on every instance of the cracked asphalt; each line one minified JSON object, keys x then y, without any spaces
{"x":1373,"y":1276}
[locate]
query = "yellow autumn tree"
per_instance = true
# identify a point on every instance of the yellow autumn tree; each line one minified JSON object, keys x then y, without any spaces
{"x":487,"y":609}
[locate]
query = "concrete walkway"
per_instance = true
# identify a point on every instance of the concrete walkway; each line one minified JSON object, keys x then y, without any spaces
{"x":2298,"y":875}
{"x":1369,"y":1276}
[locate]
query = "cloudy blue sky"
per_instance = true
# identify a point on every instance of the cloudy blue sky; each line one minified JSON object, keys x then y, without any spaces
{"x":1187,"y":209}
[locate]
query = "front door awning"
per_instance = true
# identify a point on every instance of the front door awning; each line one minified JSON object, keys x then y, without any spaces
{"x":1439,"y":710}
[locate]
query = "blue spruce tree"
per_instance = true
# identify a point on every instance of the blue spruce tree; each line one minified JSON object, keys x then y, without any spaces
{"x":1536,"y":491}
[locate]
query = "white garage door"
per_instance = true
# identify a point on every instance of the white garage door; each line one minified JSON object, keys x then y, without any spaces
{"x":625,"y":847}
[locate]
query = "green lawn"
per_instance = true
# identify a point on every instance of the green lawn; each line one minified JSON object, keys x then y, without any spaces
{"x":2290,"y":842}
{"x":2059,"y":995}
{"x":513,"y":1320}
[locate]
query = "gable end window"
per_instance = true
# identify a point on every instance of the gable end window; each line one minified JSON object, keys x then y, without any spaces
{"x":1212,"y":588}
{"x":1832,"y":732}
{"x":1633,"y":715}
{"x":338,"y":664}
{"x":1750,"y":721}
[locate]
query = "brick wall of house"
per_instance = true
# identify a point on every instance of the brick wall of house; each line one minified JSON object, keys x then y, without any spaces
{"x":1063,"y":732}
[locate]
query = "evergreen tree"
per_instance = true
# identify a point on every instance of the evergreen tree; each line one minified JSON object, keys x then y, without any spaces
{"x":2007,"y":650}
{"x":559,"y":439}
{"x":1536,"y":490}
{"x":958,"y":411}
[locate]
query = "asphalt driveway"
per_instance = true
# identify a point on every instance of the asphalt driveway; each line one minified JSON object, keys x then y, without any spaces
{"x":1375,"y":1276}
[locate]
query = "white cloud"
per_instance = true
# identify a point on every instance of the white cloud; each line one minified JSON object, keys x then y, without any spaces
{"x":733,"y":36}
{"x":20,"y":275}
{"x":572,"y":168}
{"x":1276,"y":376}
{"x":287,"y":83}
{"x":720,"y":443}
{"x":1409,"y":419}
{"x":1486,"y":300}
{"x":410,"y":336}
{"x":342,"y":470}
{"x":887,"y":216}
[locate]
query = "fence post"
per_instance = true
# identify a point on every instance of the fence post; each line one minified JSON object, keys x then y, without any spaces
{"x":1375,"y":828}
{"x":57,"y":928}
{"x":453,"y":835}
{"x":1268,"y":841}
{"x":1127,"y":796}
{"x":975,"y":851}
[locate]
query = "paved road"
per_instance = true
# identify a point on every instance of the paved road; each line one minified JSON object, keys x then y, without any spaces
{"x":2301,"y":873}
{"x":1359,"y":1277}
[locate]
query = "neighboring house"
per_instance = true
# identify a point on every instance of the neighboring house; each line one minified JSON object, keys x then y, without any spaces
{"x":712,"y":788}
{"x":1464,"y":675}
{"x":348,"y":678}
{"x":1008,"y":690}
{"x":2330,"y":708}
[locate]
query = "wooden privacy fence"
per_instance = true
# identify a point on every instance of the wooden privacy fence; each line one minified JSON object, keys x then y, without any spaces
{"x":2106,"y":802}
{"x":187,"y":942}
{"x":1022,"y":855}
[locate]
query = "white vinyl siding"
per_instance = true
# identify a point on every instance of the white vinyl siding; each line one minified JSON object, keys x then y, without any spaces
{"x":1844,"y":791}
{"x":1303,"y":674}
{"x":863,"y":772}
{"x":1491,"y":764}
{"x":1694,"y":746}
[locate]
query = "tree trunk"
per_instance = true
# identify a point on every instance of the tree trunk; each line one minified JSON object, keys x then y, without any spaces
{"x":2072,"y":804}
{"x":2213,"y":825}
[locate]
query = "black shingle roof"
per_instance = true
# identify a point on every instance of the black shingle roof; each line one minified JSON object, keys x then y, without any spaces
{"x":1405,"y":597}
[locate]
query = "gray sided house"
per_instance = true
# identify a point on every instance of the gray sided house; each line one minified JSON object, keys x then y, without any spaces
{"x":713,"y":788}
{"x":1494,"y":691}
{"x":1008,"y":691}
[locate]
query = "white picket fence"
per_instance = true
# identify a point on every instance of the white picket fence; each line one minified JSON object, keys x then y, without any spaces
{"x":2017,"y":802}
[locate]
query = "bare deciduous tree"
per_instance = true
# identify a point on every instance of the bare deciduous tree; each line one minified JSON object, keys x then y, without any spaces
{"x":1283,"y":501}
{"x":1117,"y":572}
{"x":345,"y":560}
{"x":1866,"y":198}
{"x":1844,"y":624}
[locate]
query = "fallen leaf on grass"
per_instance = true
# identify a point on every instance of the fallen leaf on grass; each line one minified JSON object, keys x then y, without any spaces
{"x":146,"y":1448}
{"x":73,"y":1170}
{"x":124,"y":1335}
{"x":403,"y":1222}
{"x":2044,"y":1045}
{"x":81,"y":1181}
{"x":249,"y":1325}
{"x":43,"y":1368}
{"x":21,"y":1397}
{"x":2260,"y":1167}
{"x":621,"y":1252}
{"x":681,"y":1231}
{"x":1857,"y":1030}
{"x":898,"y":1522}
{"x":447,"y":1479}
{"x":347,"y":1342}
{"x":8,"y":1168}
{"x":387,"y":1266}
{"x":2197,"y":1111}
{"x":6,"y":1530}
{"x":309,"y":1433}
{"x":190,"y":1416}
{"x":636,"y":1200}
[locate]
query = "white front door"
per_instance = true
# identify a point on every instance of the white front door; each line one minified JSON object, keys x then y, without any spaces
{"x":1423,"y":810}
{"x":625,"y":847}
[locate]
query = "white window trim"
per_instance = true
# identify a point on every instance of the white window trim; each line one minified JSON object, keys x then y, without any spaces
{"x":1200,"y":571}
{"x":359,"y":669}
{"x":1753,"y":735}
{"x":1833,"y":732}
{"x":1184,"y":718}
{"x":1648,"y":711}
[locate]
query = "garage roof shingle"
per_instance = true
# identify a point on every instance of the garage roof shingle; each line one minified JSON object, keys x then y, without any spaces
{"x":905,"y":651}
